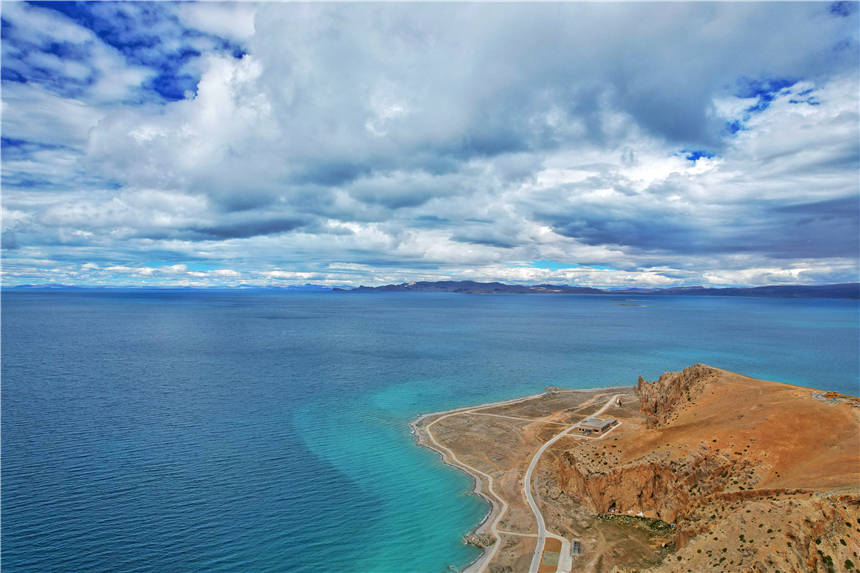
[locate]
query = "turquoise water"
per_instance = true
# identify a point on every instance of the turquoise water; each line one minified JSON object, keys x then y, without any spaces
{"x":262,"y":431}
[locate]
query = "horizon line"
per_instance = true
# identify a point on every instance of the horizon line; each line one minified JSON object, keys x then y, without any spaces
{"x":247,"y":286}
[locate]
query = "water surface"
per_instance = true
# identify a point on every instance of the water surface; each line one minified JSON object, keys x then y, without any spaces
{"x":223,"y":431}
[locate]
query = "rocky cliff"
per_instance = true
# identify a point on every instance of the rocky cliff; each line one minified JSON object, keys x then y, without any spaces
{"x":656,"y":485}
{"x":662,"y":399}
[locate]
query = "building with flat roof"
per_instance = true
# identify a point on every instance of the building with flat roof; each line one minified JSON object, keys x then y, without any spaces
{"x":595,"y":425}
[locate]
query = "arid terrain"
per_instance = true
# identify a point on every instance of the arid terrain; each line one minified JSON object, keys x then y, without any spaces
{"x":701,"y":470}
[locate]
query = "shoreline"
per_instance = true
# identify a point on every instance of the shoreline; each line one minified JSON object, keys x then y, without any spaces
{"x":477,"y":484}
{"x":495,"y":511}
{"x":476,"y":490}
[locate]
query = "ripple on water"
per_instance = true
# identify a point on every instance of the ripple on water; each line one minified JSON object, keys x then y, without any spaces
{"x":269,"y":432}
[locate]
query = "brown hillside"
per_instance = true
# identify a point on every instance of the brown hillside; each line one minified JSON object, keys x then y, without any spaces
{"x":756,"y":475}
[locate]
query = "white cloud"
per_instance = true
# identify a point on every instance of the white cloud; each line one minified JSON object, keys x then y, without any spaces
{"x":37,"y":30}
{"x":35,"y":114}
{"x":234,"y":20}
{"x":40,"y":26}
{"x":290,"y":275}
{"x":374,"y":142}
{"x":193,"y":142}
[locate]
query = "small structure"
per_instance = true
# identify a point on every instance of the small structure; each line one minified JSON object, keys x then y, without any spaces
{"x":595,"y":425}
{"x":575,"y":548}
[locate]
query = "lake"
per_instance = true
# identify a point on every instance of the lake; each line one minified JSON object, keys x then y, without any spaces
{"x":155,"y":430}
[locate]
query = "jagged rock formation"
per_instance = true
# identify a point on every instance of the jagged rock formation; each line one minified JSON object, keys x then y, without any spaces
{"x":660,"y":400}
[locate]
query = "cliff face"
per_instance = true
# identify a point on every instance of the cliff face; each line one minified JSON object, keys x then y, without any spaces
{"x":655,"y":486}
{"x":660,"y":400}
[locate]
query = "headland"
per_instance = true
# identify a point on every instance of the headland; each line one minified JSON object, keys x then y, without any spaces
{"x":702,"y":469}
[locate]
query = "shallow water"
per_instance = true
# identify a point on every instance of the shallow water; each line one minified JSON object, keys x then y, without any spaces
{"x":177,"y":430}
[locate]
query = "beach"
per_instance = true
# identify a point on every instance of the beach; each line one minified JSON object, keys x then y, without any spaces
{"x":486,"y":534}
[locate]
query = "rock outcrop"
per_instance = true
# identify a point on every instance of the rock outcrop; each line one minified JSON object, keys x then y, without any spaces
{"x":660,"y":400}
{"x":654,"y":486}
{"x":479,"y":540}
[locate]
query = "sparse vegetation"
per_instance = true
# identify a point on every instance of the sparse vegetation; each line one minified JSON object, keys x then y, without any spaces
{"x":710,"y":492}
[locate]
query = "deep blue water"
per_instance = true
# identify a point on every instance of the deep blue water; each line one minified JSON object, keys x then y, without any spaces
{"x":218,"y":431}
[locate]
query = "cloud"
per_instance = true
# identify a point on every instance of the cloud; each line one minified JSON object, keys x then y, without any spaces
{"x":364,"y":143}
{"x":48,"y":49}
{"x":34,"y":114}
{"x":249,"y":228}
{"x":233,"y":21}
{"x":745,"y":201}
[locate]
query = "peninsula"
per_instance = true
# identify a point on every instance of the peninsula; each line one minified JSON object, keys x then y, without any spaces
{"x":702,"y":469}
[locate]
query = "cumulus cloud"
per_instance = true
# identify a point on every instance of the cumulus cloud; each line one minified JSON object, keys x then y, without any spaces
{"x":370,"y":143}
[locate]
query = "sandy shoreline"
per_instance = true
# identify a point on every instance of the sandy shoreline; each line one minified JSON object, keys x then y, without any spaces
{"x":476,"y":489}
{"x":477,"y":481}
{"x":479,"y":486}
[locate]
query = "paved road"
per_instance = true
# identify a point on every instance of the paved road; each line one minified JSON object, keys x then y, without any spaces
{"x":497,"y":501}
{"x":479,"y":566}
{"x":564,"y":561}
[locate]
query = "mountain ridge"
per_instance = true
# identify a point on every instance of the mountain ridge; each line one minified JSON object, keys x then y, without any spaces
{"x":840,"y":290}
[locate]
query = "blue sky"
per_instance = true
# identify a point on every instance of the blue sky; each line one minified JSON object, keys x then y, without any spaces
{"x":593,"y":144}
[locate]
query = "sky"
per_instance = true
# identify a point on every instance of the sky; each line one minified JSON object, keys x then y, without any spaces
{"x":593,"y":144}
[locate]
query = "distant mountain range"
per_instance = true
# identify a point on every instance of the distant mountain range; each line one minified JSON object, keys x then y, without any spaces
{"x":845,"y":290}
{"x":293,"y":288}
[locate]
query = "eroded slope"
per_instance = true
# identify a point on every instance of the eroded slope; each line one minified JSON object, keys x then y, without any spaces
{"x":754,"y":475}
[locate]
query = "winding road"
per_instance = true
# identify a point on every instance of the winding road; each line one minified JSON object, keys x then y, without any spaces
{"x":564,"y":560}
{"x":494,"y":498}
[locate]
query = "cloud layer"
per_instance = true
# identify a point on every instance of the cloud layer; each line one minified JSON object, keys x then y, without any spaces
{"x":627,"y":144}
